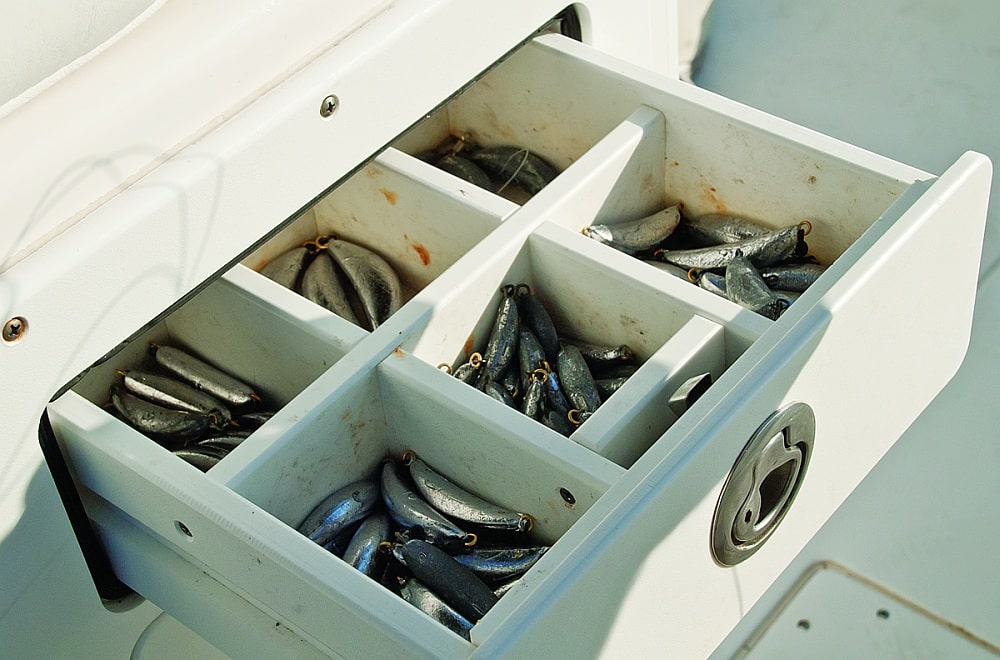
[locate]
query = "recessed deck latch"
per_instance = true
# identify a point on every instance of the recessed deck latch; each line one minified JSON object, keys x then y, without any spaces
{"x":762,"y":483}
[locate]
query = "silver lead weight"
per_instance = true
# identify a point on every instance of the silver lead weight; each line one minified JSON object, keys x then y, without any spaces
{"x":689,"y":392}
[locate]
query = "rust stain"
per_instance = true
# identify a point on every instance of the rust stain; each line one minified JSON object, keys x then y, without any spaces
{"x":811,"y":179}
{"x":470,"y":345}
{"x":398,"y":352}
{"x":425,"y":256}
{"x":390,"y":196}
{"x":346,"y":416}
{"x":676,"y":164}
{"x":710,"y":200}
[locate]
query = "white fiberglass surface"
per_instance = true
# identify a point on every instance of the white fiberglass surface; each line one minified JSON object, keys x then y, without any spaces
{"x":922,"y":96}
{"x":37,"y":39}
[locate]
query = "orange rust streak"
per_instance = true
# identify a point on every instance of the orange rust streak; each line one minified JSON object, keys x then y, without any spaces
{"x":390,"y":196}
{"x":425,"y":256}
{"x":470,"y":345}
{"x":709,"y":198}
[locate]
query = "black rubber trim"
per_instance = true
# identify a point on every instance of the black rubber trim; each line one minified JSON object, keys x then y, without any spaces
{"x":569,"y":24}
{"x":109,"y":587}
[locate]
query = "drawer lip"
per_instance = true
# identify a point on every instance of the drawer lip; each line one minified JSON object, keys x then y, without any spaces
{"x":699,"y":443}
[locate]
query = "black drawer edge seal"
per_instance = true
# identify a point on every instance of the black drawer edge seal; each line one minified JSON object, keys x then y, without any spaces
{"x":111,"y":589}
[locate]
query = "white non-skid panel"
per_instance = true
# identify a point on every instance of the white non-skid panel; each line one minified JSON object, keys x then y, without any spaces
{"x":835,"y":613}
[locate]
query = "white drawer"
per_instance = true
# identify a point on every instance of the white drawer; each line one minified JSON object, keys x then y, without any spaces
{"x":867,"y":347}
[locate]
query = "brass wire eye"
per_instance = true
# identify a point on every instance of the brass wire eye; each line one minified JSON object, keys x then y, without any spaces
{"x":319,"y":243}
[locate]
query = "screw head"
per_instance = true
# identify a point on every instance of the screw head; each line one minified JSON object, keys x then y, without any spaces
{"x":329,"y":106}
{"x":14,"y":329}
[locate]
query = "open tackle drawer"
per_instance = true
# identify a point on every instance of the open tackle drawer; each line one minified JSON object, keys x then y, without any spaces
{"x":627,"y":501}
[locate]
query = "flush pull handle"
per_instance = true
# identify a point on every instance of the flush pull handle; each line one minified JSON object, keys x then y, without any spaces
{"x":762,"y":484}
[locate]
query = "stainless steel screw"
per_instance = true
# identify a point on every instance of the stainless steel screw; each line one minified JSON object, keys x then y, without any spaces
{"x":329,"y":105}
{"x":14,"y":329}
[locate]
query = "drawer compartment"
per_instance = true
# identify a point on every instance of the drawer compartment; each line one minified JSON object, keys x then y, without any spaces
{"x":628,"y":498}
{"x":420,"y":227}
{"x":279,"y":353}
{"x":546,"y":109}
